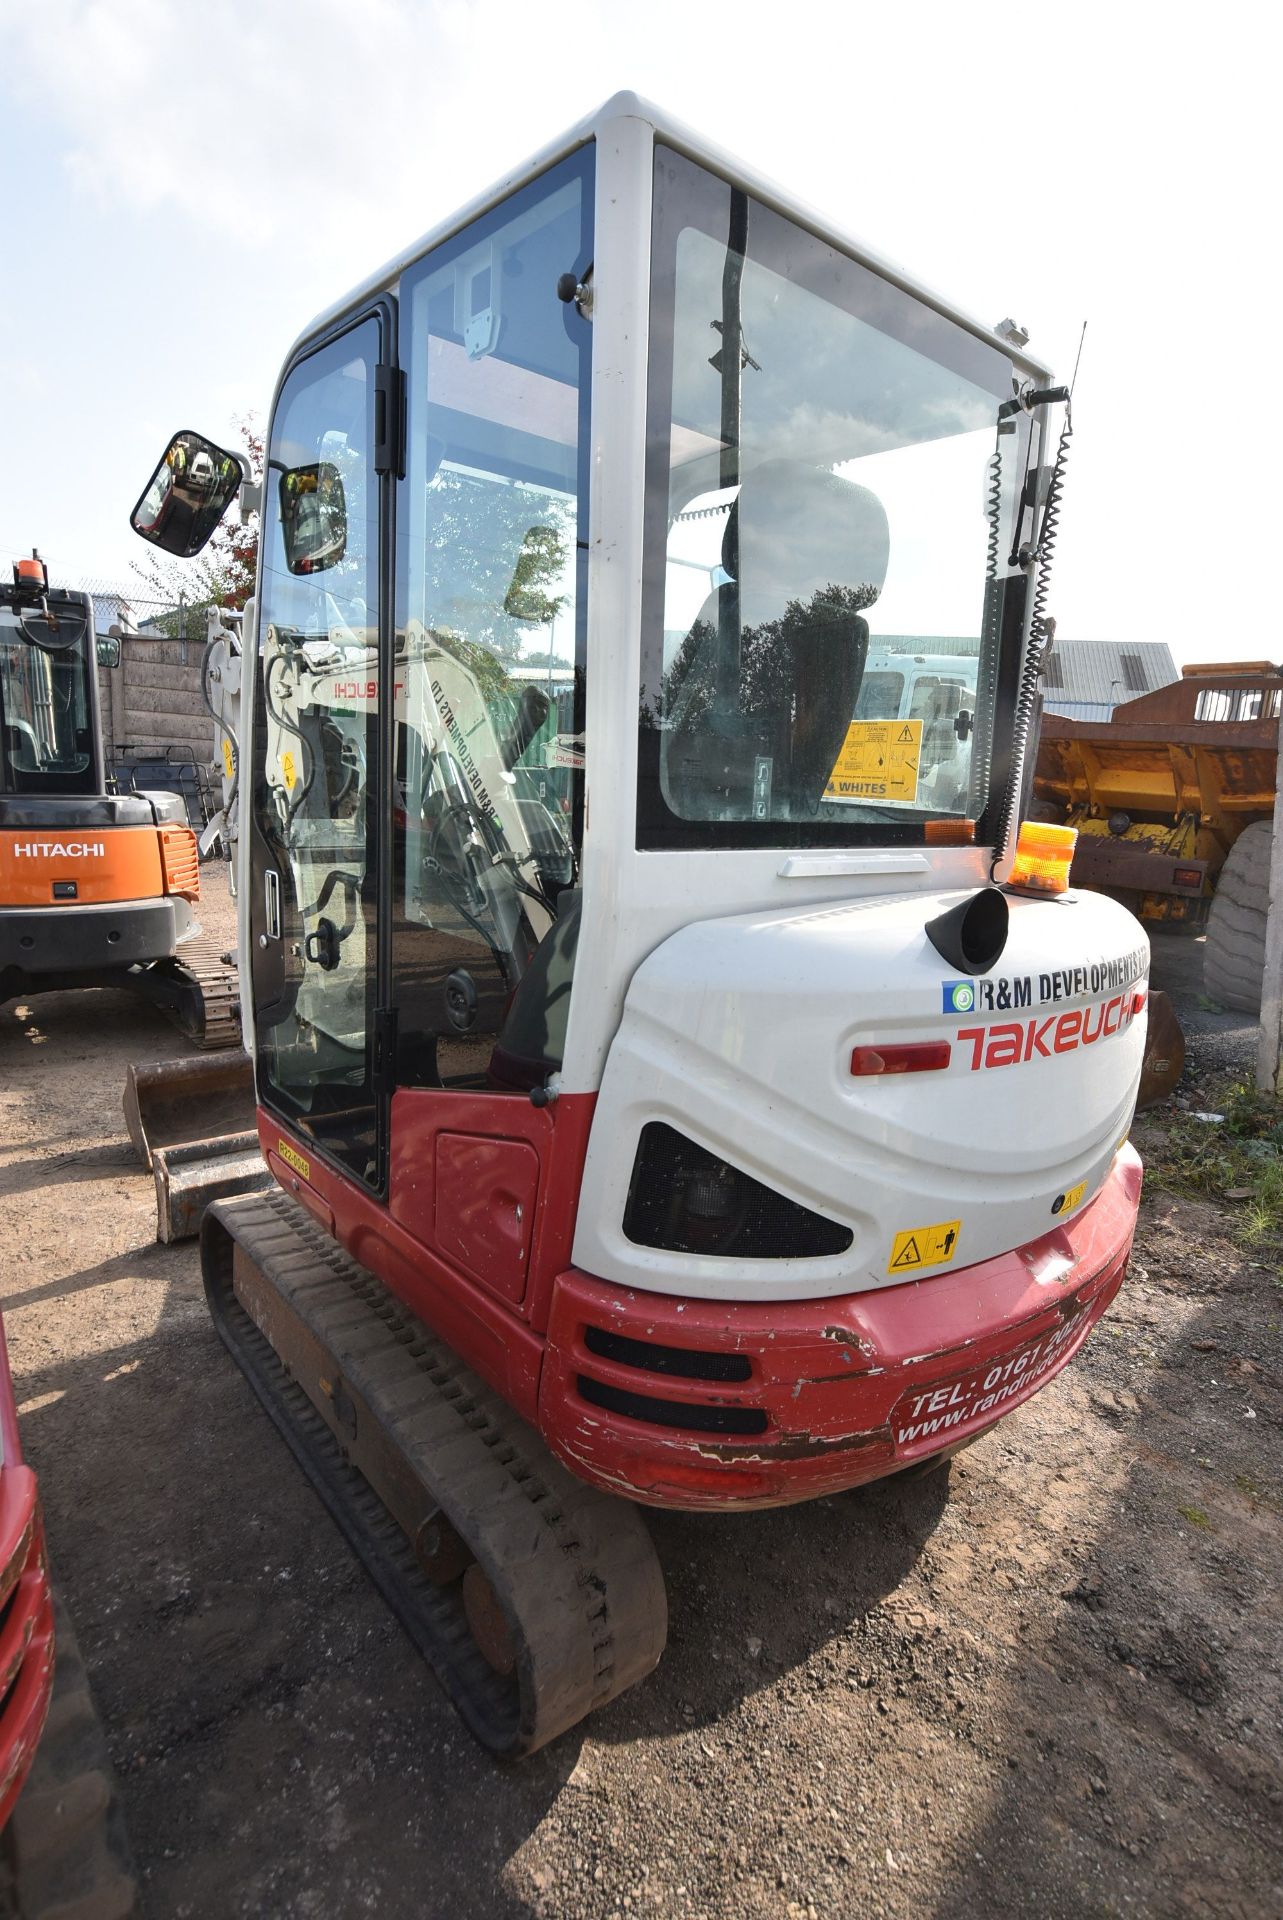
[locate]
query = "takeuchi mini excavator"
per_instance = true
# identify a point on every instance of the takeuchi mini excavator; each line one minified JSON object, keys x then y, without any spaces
{"x":692,"y":1090}
{"x":97,"y":888}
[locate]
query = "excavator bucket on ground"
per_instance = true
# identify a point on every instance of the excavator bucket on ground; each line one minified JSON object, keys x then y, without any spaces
{"x":192,"y":1124}
{"x":1164,"y":1053}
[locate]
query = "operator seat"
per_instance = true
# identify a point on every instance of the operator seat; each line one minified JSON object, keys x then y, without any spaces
{"x":804,"y":550}
{"x":532,"y":1040}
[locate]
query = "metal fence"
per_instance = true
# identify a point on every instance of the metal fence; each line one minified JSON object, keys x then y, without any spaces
{"x":153,"y":699}
{"x":157,"y":730}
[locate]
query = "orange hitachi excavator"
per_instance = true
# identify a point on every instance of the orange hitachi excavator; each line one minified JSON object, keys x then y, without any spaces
{"x":96,"y":888}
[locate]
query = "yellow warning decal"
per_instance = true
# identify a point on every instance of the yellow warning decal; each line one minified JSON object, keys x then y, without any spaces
{"x":289,"y":770}
{"x":1066,"y":1202}
{"x":925,"y":1246}
{"x":879,"y":761}
{"x":293,"y":1158}
{"x":229,"y":765}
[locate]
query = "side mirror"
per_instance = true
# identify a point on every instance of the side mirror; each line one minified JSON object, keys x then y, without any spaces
{"x":194,"y":484}
{"x":108,"y":653}
{"x":313,"y":517}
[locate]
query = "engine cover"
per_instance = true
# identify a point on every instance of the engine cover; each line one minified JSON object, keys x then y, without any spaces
{"x":740,"y":1034}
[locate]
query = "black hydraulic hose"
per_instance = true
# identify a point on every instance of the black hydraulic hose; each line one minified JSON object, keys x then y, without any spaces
{"x":221,"y":724}
{"x":288,"y":726}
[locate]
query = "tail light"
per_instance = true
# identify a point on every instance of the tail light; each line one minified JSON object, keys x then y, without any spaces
{"x":920,"y":1056}
{"x":180,"y":862}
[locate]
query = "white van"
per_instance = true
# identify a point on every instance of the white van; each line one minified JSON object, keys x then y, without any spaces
{"x":909,"y":743}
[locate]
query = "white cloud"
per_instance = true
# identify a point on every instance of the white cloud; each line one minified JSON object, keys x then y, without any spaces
{"x":1108,"y":163}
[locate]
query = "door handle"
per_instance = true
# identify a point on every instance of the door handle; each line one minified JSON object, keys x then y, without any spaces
{"x":322,"y":946}
{"x":271,"y":905}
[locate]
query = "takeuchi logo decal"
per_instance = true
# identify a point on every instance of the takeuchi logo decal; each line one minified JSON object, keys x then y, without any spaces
{"x":1009,"y":1044}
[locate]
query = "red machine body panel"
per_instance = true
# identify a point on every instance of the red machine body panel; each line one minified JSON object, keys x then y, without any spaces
{"x":26,"y":1609}
{"x":700,"y":1403}
{"x":831,"y":1392}
{"x":415,"y":1250}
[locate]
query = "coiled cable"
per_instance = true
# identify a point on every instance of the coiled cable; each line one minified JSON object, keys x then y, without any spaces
{"x":1040,"y":632}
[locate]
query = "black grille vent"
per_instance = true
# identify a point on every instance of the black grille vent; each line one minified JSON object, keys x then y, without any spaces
{"x":683,"y":1199}
{"x":679,"y":1362}
{"x":673,"y":1413}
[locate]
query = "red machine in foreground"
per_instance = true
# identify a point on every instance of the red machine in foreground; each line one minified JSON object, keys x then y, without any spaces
{"x":62,"y":1842}
{"x":26,"y":1607}
{"x":723,"y":1108}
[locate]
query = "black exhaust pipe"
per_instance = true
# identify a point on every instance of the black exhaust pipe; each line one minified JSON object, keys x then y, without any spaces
{"x":972,"y":935}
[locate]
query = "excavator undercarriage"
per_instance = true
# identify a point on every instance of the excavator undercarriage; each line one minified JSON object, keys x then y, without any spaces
{"x":535,"y":1597}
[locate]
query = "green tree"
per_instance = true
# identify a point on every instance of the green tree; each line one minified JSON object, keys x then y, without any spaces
{"x":491,"y":554}
{"x":768,"y":662}
{"x":543,"y":552}
{"x":233,"y":551}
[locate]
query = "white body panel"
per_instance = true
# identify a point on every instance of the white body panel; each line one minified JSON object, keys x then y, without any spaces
{"x":739,"y":1033}
{"x":652,"y":894}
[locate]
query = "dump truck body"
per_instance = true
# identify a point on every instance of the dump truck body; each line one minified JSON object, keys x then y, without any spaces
{"x":1160,"y":793}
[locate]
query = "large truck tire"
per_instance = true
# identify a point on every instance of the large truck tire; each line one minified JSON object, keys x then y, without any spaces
{"x":1234,"y":957}
{"x":64,"y":1855}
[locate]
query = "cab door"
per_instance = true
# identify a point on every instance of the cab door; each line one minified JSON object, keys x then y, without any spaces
{"x":315,"y":813}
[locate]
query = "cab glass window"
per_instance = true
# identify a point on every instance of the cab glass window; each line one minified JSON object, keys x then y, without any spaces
{"x":489,"y":639}
{"x":316,"y":720}
{"x":46,"y":743}
{"x":830,"y":492}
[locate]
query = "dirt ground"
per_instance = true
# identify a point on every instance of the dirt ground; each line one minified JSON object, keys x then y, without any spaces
{"x":1046,"y":1683}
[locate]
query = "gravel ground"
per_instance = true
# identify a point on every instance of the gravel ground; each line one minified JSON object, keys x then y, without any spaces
{"x":1045,"y":1682}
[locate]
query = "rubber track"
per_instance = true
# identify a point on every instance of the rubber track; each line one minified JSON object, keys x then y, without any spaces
{"x":202,"y":958}
{"x":65,"y":1855}
{"x":574,"y":1569}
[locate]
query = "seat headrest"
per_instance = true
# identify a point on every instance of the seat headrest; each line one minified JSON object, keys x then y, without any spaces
{"x":795,"y":529}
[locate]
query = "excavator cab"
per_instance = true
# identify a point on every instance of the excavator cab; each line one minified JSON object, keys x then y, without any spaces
{"x":48,"y":698}
{"x":650,"y":1021}
{"x":97,"y":888}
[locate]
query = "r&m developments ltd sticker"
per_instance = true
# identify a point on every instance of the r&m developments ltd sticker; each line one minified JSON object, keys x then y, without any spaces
{"x":1002,"y":993}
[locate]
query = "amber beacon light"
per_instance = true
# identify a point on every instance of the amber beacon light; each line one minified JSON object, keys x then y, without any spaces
{"x":1044,"y":855}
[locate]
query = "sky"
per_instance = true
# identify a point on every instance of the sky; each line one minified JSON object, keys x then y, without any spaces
{"x":184,"y":188}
